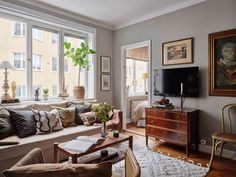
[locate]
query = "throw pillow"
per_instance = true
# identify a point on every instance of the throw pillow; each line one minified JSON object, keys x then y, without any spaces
{"x":28,"y":107}
{"x":24,"y":122}
{"x":6,"y":125}
{"x":47,"y":122}
{"x":88,"y":118}
{"x":67,"y":170}
{"x":80,"y":109}
{"x":67,"y":116}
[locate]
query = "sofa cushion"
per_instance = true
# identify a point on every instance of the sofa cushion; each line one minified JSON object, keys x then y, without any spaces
{"x":28,"y":107}
{"x":6,"y":125}
{"x":47,"y":122}
{"x":80,"y":109}
{"x":63,"y":170}
{"x":88,"y":118}
{"x":67,"y":116}
{"x":24,"y":122}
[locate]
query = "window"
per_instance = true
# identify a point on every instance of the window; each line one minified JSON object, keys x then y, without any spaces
{"x":66,"y":66}
{"x":134,"y":74}
{"x":20,"y":91}
{"x":54,"y":64}
{"x":37,"y":34}
{"x":19,"y":60}
{"x":54,"y":90}
{"x":54,"y":38}
{"x":37,"y":62}
{"x":29,"y":56}
{"x":19,"y":29}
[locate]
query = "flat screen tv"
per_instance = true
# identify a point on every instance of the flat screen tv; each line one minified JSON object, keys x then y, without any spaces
{"x":167,"y":82}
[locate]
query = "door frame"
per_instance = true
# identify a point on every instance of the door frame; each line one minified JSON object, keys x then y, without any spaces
{"x":123,"y":74}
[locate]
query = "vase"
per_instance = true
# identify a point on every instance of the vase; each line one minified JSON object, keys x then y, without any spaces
{"x":79,"y":92}
{"x":104,"y":132}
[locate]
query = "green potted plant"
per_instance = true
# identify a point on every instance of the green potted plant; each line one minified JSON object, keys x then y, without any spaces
{"x":79,"y":57}
{"x":45,"y":93}
{"x":102,"y":111}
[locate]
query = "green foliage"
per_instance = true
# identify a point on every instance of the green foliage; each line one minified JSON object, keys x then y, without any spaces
{"x":102,"y":111}
{"x":45,"y":91}
{"x":78,"y":55}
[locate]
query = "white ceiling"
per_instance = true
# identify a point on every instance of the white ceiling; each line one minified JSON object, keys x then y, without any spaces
{"x":115,"y":14}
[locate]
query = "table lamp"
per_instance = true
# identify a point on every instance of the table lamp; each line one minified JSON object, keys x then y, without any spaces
{"x":145,"y":77}
{"x":6,"y":65}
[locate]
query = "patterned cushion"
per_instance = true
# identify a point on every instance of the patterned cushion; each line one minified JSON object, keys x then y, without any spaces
{"x":24,"y":122}
{"x":67,"y":116}
{"x":47,"y":122}
{"x":80,"y":108}
{"x":88,"y":118}
{"x":6,"y":125}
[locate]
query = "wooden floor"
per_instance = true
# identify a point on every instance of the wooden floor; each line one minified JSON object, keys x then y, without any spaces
{"x":220,"y":168}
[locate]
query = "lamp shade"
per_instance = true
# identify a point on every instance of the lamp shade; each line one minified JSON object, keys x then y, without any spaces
{"x":145,"y":75}
{"x":6,"y":64}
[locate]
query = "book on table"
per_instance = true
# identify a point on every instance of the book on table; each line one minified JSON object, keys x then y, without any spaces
{"x":83,"y":143}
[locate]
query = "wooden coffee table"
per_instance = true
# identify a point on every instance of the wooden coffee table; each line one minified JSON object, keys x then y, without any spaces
{"x":109,"y":141}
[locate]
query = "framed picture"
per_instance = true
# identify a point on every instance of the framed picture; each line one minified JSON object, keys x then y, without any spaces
{"x":222,"y":63}
{"x":105,"y":64}
{"x":177,"y":52}
{"x":105,"y":82}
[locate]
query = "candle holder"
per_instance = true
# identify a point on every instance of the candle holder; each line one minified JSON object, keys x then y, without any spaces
{"x":181,"y":101}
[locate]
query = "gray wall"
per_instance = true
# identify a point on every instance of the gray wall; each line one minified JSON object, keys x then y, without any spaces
{"x":196,"y":21}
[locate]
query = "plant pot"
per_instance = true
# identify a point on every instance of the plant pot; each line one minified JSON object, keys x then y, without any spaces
{"x":79,"y":92}
{"x":45,"y":97}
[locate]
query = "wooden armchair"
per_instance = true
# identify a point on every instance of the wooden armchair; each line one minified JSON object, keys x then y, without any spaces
{"x":226,"y":135}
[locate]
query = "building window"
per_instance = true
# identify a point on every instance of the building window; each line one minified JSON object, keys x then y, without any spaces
{"x":54,"y":38}
{"x":54,"y":90}
{"x":66,"y":66}
{"x":19,"y":29}
{"x":20,"y":91}
{"x":54,"y":64}
{"x":37,"y":34}
{"x":37,"y":62}
{"x":19,"y":60}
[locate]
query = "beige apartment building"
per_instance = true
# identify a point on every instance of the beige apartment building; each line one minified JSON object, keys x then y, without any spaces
{"x":44,"y":58}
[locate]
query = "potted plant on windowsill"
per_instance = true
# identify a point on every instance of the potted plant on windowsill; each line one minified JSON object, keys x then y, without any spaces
{"x":102,"y":111}
{"x":45,"y":93}
{"x":79,"y":58}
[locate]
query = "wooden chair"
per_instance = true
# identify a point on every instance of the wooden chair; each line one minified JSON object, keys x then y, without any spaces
{"x":226,"y":135}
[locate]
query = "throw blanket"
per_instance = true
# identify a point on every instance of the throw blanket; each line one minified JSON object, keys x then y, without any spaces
{"x":139,"y":111}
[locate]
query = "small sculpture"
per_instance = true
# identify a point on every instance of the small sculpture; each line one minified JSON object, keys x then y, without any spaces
{"x":13,"y":89}
{"x":37,"y":94}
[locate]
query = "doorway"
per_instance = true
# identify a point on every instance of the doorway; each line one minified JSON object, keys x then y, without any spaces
{"x":135,"y":85}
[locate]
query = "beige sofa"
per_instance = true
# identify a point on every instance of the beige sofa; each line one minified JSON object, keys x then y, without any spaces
{"x":10,"y":154}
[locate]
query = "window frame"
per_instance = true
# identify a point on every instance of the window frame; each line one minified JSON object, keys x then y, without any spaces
{"x":48,"y":22}
{"x":21,"y":29}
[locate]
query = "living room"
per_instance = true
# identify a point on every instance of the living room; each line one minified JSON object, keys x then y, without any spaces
{"x":34,"y":33}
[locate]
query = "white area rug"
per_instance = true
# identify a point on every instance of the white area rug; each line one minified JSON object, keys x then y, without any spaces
{"x":154,"y":164}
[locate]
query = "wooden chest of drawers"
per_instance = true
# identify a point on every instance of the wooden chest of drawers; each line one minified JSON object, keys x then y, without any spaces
{"x":173,"y":126}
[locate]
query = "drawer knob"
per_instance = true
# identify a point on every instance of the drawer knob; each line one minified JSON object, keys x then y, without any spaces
{"x":152,"y":121}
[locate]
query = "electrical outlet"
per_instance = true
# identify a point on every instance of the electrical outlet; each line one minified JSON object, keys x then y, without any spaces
{"x":203,"y":141}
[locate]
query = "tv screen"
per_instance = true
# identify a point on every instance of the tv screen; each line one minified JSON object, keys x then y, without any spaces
{"x":167,"y":82}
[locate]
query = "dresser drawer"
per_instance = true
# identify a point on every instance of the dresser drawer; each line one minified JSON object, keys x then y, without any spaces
{"x":166,"y":115}
{"x":166,"y":135}
{"x":180,"y":126}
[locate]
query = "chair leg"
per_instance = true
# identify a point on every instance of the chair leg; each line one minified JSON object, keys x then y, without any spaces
{"x":212,"y":152}
{"x":221,"y":150}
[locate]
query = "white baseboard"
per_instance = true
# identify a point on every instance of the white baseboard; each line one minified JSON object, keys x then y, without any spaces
{"x":229,"y":154}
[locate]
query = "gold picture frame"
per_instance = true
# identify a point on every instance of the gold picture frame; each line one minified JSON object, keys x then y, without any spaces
{"x":177,"y":52}
{"x":222,"y":63}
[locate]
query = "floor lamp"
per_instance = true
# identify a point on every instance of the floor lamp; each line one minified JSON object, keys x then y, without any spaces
{"x":5,"y":65}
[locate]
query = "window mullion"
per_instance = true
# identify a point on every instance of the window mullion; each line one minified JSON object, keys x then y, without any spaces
{"x":29,"y":60}
{"x":61,"y":59}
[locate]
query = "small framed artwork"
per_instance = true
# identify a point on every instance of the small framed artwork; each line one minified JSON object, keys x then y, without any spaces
{"x":105,"y":64}
{"x":177,"y":52}
{"x":105,"y":82}
{"x":222,"y":63}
